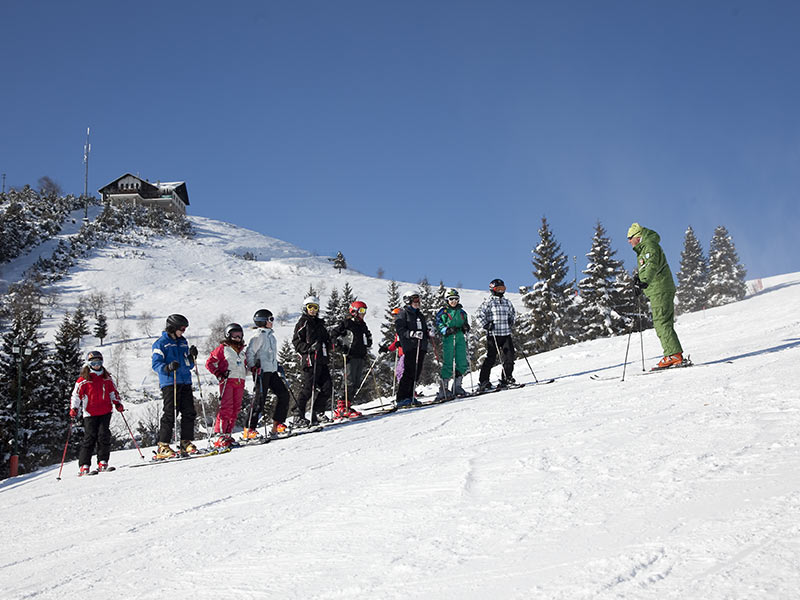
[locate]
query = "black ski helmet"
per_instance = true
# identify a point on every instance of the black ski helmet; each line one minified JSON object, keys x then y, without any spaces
{"x":261,"y":317}
{"x":232,"y":328}
{"x":175,"y":322}
{"x":496,"y":283}
{"x":94,"y":355}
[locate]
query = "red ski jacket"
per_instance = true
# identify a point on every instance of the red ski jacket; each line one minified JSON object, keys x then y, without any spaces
{"x":98,"y":394}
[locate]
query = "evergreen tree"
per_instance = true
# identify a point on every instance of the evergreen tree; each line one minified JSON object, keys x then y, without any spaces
{"x":312,"y":291}
{"x":546,"y":324}
{"x":429,"y":306}
{"x":290,"y":361}
{"x":333,"y":308}
{"x":692,"y":292}
{"x":66,"y":364}
{"x":385,"y":368}
{"x":42,"y":417}
{"x":101,"y":328}
{"x":347,"y":298}
{"x":601,"y":299}
{"x":80,"y":324}
{"x":726,"y":274}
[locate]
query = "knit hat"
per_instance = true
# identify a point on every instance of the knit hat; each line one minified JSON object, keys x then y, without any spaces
{"x":634,"y":230}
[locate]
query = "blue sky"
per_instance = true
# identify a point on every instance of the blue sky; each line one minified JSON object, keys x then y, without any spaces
{"x":425,"y":138}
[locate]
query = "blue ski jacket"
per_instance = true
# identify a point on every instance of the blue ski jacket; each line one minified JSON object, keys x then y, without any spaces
{"x":167,"y":350}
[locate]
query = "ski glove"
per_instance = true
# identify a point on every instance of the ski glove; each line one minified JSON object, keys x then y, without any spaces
{"x":193,"y":351}
{"x":223,"y":376}
{"x":415,"y":334}
{"x":73,"y":412}
{"x":638,"y":282}
{"x":281,"y":371}
{"x":489,"y":326}
{"x":173,"y":366}
{"x":119,"y":407}
{"x":510,"y":321}
{"x":383,"y":348}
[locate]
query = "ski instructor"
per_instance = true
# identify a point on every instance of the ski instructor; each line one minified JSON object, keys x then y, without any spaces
{"x":654,"y":278}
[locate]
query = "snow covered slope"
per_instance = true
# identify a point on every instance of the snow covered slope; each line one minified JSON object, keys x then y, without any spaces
{"x":682,"y":484}
{"x":204,"y":278}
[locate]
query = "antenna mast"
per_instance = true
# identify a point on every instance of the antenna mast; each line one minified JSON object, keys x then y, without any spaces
{"x":86,"y":149}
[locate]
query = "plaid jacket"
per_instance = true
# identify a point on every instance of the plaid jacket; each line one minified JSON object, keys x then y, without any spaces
{"x":497,"y":310}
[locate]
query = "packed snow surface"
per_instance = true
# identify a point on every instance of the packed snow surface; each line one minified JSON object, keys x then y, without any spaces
{"x":681,"y":484}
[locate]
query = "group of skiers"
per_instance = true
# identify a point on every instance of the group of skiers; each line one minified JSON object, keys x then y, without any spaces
{"x":231,"y":361}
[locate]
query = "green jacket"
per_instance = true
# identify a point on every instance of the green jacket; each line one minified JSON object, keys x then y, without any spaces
{"x":652,"y":266}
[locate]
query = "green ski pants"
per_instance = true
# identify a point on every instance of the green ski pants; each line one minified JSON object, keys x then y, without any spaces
{"x":454,"y":344}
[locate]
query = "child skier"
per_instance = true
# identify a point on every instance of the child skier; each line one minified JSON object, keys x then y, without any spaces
{"x":353,"y":338}
{"x":173,"y":359}
{"x":96,"y":390}
{"x":312,"y":341}
{"x":262,"y":357}
{"x":227,"y":363}
{"x":496,"y":315}
{"x":453,"y":323}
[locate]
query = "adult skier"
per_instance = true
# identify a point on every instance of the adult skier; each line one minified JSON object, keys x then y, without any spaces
{"x":497,"y":316}
{"x":96,"y":391}
{"x":262,"y":356}
{"x":312,"y":341}
{"x":654,"y":278}
{"x":412,"y":331}
{"x":453,"y":323}
{"x":173,"y":359}
{"x":353,"y":338}
{"x":228,"y":364}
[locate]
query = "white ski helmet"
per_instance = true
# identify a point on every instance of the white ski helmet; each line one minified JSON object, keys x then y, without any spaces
{"x":310,"y":300}
{"x":410,"y":295}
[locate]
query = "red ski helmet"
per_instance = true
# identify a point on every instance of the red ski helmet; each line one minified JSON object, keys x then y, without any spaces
{"x":358,"y":307}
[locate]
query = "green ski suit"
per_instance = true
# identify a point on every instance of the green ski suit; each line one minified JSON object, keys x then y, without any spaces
{"x":660,"y":290}
{"x":452,"y":324}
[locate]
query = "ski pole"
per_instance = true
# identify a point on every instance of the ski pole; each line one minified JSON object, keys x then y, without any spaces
{"x":531,"y":368}
{"x":122,"y":414}
{"x":363,"y":381}
{"x":414,"y":379}
{"x":313,"y":389}
{"x":257,"y":396}
{"x":203,"y":405}
{"x":439,"y":366}
{"x":64,"y":455}
{"x":471,"y":364}
{"x":175,"y":406}
{"x":627,"y":347}
{"x":641,"y":335}
{"x":500,"y":357}
{"x":394,"y":372}
{"x":346,"y":397}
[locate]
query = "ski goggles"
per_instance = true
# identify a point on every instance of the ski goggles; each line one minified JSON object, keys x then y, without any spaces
{"x":96,"y":363}
{"x":312,"y":307}
{"x":452,"y":298}
{"x":362,"y":311}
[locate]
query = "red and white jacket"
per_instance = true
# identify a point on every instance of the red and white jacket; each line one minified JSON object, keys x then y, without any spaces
{"x":97,"y":393}
{"x":227,"y":358}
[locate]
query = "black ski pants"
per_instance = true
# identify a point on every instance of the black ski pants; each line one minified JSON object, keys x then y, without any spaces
{"x":270,"y":382}
{"x":319,"y":378}
{"x":353,"y":375}
{"x":411,"y":371}
{"x":96,"y":431}
{"x":506,"y":345}
{"x":185,"y":408}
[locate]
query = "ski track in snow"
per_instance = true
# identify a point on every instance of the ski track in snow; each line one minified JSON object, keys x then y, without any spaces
{"x":682,"y":484}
